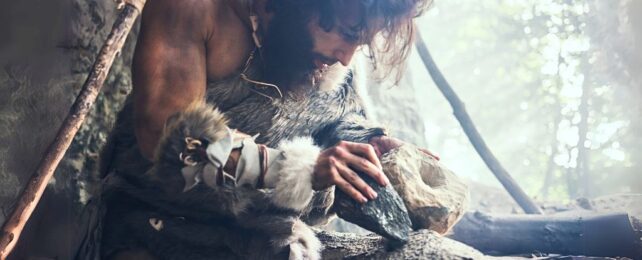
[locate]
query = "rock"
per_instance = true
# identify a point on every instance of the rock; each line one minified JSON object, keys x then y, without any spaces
{"x":433,"y":195}
{"x":386,"y":215}
{"x":424,"y":195}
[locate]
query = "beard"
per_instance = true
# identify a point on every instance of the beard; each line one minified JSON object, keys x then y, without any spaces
{"x":287,"y":51}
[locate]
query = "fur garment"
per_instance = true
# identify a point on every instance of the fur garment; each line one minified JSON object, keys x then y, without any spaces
{"x":272,"y":213}
{"x":206,"y":224}
{"x":294,"y":187}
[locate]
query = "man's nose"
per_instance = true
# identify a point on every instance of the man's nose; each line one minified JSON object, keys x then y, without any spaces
{"x":344,"y":55}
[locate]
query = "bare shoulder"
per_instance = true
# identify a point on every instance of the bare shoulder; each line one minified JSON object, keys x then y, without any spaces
{"x":195,"y":15}
{"x":188,"y":7}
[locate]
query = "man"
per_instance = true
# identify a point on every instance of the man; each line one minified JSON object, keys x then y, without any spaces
{"x":183,"y":45}
{"x":275,"y":68}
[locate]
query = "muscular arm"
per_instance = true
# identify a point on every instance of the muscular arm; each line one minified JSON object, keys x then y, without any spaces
{"x":169,"y":68}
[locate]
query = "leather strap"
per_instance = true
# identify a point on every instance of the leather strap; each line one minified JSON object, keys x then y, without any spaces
{"x":264,"y":159}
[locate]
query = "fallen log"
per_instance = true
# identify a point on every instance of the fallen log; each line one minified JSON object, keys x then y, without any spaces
{"x":28,"y":200}
{"x":422,"y":244}
{"x":589,"y":234}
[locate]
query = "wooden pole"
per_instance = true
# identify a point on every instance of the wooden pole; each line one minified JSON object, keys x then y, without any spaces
{"x":473,"y":135}
{"x":32,"y":193}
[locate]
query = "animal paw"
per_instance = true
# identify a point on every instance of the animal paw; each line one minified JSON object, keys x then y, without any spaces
{"x":304,"y":245}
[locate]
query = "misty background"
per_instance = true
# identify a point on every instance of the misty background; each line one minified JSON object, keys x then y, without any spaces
{"x":554,"y":87}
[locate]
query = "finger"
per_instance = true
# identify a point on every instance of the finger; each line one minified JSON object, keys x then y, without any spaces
{"x":356,"y":181}
{"x":365,"y":150}
{"x":349,"y":189}
{"x":377,"y":151}
{"x":361,"y":164}
{"x":430,"y":153}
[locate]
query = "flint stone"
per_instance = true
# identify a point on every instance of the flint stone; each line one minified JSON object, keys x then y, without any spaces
{"x":386,"y":216}
{"x":434,"y":196}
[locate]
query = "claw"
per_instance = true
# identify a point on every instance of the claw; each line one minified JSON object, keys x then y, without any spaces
{"x":192,"y":143}
{"x":188,"y":160}
{"x":156,"y":223}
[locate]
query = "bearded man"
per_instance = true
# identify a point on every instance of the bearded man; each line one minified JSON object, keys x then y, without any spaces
{"x":276,"y":69}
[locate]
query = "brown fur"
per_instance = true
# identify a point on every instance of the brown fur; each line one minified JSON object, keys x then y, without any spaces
{"x":244,"y":214}
{"x":200,"y":121}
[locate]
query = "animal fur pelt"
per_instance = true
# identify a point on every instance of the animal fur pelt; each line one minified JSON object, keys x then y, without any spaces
{"x":265,"y":217}
{"x":327,"y":115}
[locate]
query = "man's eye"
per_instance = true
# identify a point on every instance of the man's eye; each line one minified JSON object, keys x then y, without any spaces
{"x":350,"y":36}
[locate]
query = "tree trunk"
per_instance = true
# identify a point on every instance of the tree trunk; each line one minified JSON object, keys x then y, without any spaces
{"x":582,"y":170}
{"x":550,"y":164}
{"x":607,"y":235}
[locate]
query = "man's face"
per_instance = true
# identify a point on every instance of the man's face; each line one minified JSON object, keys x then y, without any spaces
{"x":297,"y":47}
{"x":340,"y":43}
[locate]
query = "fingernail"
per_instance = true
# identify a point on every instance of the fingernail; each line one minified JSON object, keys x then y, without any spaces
{"x":364,"y":200}
{"x":383,"y":182}
{"x":373,"y":194}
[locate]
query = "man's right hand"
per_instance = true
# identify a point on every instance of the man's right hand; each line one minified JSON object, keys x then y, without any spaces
{"x":338,"y":165}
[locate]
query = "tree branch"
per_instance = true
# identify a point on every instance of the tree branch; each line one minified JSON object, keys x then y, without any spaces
{"x":473,"y":135}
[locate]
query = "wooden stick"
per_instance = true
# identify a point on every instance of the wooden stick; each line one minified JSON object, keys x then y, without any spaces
{"x":30,"y":196}
{"x":473,"y":135}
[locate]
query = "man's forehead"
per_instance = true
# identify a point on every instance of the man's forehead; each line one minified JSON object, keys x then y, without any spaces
{"x":349,"y":12}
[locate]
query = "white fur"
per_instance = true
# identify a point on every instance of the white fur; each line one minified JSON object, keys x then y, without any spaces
{"x":294,"y":187}
{"x":304,"y":243}
{"x":333,"y":77}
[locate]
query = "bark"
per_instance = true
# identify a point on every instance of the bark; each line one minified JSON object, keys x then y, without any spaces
{"x":32,"y":193}
{"x":473,"y":135}
{"x":607,"y":235}
{"x":423,"y":244}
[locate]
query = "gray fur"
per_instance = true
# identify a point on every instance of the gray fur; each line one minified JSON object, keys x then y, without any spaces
{"x":132,"y":197}
{"x":244,"y":211}
{"x":327,"y":115}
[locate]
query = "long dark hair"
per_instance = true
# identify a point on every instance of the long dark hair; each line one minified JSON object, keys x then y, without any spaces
{"x":392,"y":20}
